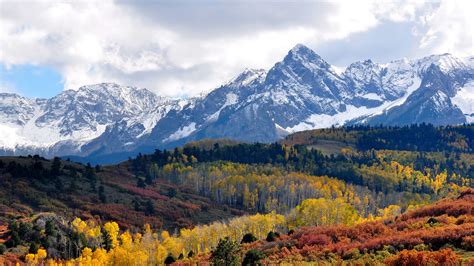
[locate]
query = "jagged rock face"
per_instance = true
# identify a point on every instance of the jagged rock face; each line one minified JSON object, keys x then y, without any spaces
{"x":370,"y":84}
{"x":305,"y":74}
{"x":63,"y":124}
{"x":301,"y":85}
{"x":430,"y":103}
{"x":95,"y":105}
{"x":204,"y":111}
{"x":16,"y":109}
{"x":301,"y":92}
{"x":248,"y":123}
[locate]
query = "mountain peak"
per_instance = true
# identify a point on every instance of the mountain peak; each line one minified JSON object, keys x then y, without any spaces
{"x":247,"y":76}
{"x":446,"y":62}
{"x":368,"y":62}
{"x":10,"y":95}
{"x":102,"y":86}
{"x":362,"y":71}
{"x":114,"y":90}
{"x":435,"y":79}
{"x":302,"y":51}
{"x":302,"y":55}
{"x":361,"y":64}
{"x":300,"y":48}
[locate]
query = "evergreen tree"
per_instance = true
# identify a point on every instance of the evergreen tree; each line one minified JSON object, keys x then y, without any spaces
{"x":248,"y":238}
{"x":169,"y":260}
{"x":141,"y":183}
{"x":102,"y":196}
{"x":56,"y":167}
{"x":149,"y":207}
{"x":226,"y":253}
{"x":252,"y":258}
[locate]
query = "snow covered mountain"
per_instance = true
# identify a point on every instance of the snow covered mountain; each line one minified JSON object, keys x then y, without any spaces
{"x":65,"y":123}
{"x":301,"y":92}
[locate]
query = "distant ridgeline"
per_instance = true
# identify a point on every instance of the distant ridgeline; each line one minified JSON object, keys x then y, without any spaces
{"x":418,"y":137}
{"x":422,"y":146}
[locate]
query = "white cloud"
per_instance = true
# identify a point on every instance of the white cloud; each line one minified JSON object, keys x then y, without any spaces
{"x":449,"y":28}
{"x":399,"y":11}
{"x":7,"y":87}
{"x":184,"y":47}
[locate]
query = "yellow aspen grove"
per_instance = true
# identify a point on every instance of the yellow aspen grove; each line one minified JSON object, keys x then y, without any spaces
{"x":38,"y":258}
{"x":390,"y":211}
{"x":112,"y":230}
{"x":160,"y":254}
{"x":317,"y":212}
{"x":149,"y":248}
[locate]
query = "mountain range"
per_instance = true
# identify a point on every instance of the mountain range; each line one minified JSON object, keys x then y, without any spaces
{"x":108,"y":122}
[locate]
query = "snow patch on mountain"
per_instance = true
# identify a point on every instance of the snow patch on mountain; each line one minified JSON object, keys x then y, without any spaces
{"x":181,"y":133}
{"x":338,"y":70}
{"x":316,"y":121}
{"x":372,"y":96}
{"x":231,"y":99}
{"x":415,"y":84}
{"x":440,"y":100}
{"x":446,"y":62}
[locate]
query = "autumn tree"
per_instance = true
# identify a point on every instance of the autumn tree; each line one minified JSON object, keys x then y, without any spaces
{"x":316,"y":212}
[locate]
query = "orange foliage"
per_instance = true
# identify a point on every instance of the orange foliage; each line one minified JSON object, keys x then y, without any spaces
{"x":463,"y":205}
{"x":446,"y":222}
{"x":444,"y":257}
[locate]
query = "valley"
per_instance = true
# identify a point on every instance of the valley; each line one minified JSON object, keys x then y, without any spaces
{"x":381,"y":180}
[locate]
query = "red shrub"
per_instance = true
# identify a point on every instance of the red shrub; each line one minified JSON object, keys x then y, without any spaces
{"x":144,"y":192}
{"x":468,"y":242}
{"x":444,"y":257}
{"x":316,"y":240}
{"x":463,"y":205}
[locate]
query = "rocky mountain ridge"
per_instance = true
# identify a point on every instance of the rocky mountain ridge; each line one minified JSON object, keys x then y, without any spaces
{"x":301,"y":92}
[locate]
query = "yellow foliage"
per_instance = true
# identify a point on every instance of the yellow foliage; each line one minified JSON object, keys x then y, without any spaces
{"x":165,"y":235}
{"x":30,"y":258}
{"x":317,"y":212}
{"x":86,"y":252}
{"x":112,"y":230}
{"x":41,"y":253}
{"x":152,"y":248}
{"x":390,"y":211}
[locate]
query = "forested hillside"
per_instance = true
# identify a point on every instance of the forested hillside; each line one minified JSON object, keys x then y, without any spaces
{"x":438,"y":234}
{"x":206,"y":191}
{"x":29,"y":185}
{"x":417,"y":137}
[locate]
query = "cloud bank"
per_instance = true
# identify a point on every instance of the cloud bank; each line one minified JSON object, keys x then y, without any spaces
{"x":181,"y":48}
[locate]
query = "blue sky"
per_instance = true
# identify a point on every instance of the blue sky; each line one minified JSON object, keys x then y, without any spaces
{"x":181,"y":48}
{"x":31,"y":81}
